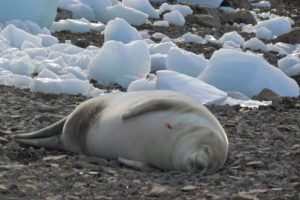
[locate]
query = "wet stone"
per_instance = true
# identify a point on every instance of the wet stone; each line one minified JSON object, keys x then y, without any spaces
{"x":188,"y":188}
{"x":268,"y":134}
{"x":244,"y":182}
{"x":3,"y":140}
{"x":255,"y":163}
{"x":4,"y":189}
{"x":159,"y":191}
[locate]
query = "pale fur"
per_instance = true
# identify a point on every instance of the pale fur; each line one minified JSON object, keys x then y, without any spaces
{"x":164,"y":129}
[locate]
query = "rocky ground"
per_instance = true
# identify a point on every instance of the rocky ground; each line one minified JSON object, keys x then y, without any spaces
{"x":263,"y":161}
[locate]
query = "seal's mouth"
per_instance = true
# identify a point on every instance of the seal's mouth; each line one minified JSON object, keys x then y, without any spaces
{"x":198,"y":161}
{"x":199,"y":151}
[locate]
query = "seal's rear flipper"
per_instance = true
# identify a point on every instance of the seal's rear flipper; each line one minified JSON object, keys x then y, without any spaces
{"x":54,"y":129}
{"x":49,"y":137}
{"x":138,"y":165}
{"x":53,"y":142}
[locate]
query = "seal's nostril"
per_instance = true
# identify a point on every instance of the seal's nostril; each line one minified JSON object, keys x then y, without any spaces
{"x":206,"y":149}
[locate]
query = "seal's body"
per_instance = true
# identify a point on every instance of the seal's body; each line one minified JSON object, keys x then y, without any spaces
{"x":164,"y":129}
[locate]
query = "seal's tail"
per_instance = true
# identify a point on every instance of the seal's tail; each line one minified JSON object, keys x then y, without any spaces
{"x":49,"y":137}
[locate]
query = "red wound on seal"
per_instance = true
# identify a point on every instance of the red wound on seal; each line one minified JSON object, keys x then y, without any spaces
{"x":168,"y":126}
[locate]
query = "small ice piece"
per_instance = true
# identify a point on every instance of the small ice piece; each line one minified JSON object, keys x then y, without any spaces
{"x":246,"y":103}
{"x":144,"y":34}
{"x":73,"y":25}
{"x":28,"y":26}
{"x":232,"y":36}
{"x":165,"y":7}
{"x":46,"y":73}
{"x":192,"y":38}
{"x":185,"y":62}
{"x":175,"y":18}
{"x":78,"y":60}
{"x":199,"y":90}
{"x":293,"y":70}
{"x":231,"y":45}
{"x":290,"y":65}
{"x":159,"y":36}
{"x":289,"y":48}
{"x":211,"y":39}
{"x":276,"y":26}
{"x":48,"y":40}
{"x":262,"y":4}
{"x":119,"y":30}
{"x":79,"y":10}
{"x":68,"y":86}
{"x":99,"y":9}
{"x":158,"y":62}
{"x":162,"y":48}
{"x":76,"y":71}
{"x":275,"y":48}
{"x":17,"y":36}
{"x":22,"y":66}
{"x":149,"y":41}
{"x":117,"y":62}
{"x":161,"y":23}
{"x":264,"y":33}
{"x":248,"y":73}
{"x":203,"y":3}
{"x":34,"y":52}
{"x":143,"y":6}
{"x":255,"y":44}
{"x":142,"y":84}
{"x":295,"y":51}
{"x":132,"y":16}
{"x":183,"y":9}
{"x":237,"y":95}
{"x":66,"y":48}
{"x":4,"y":63}
{"x":27,"y":45}
{"x":287,"y":62}
{"x":69,"y":76}
{"x":4,"y":44}
{"x":248,"y":28}
{"x":157,"y":1}
{"x":166,"y":39}
{"x":55,"y":66}
{"x":19,"y":81}
{"x":97,"y":26}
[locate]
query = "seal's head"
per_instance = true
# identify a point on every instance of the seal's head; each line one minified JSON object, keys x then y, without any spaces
{"x":200,"y":151}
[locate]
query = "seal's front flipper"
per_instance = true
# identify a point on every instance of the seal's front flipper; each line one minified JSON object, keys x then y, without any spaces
{"x":150,"y":105}
{"x":49,"y":137}
{"x":138,"y":165}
